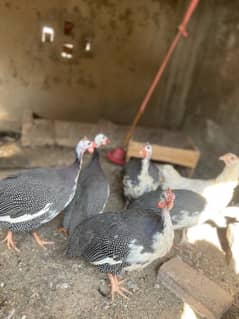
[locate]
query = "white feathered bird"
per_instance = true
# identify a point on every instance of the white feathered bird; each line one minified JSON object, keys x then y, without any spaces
{"x":218,"y":192}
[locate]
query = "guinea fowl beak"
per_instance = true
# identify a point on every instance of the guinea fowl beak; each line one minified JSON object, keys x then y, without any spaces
{"x":225,"y":159}
{"x":92,"y":147}
{"x":222,"y":158}
{"x":142,"y":153}
{"x":168,"y":201}
{"x":106,"y":141}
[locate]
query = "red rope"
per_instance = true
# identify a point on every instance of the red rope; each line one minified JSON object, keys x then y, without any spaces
{"x":181,"y":32}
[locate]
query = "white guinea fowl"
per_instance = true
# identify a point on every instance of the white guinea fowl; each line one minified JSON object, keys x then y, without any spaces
{"x":140,"y":175}
{"x":218,"y":192}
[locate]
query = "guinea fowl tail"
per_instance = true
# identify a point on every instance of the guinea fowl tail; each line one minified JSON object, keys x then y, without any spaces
{"x":76,"y":243}
{"x":72,"y":246}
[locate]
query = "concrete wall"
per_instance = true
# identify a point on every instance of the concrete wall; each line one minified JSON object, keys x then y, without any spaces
{"x":129,"y":40}
{"x":214,"y":90}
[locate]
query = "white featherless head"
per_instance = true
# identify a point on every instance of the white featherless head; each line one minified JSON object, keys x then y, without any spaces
{"x":84,"y":145}
{"x":146,"y":151}
{"x":101,"y":139}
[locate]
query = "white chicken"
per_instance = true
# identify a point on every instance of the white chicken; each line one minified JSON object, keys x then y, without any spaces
{"x":218,"y":192}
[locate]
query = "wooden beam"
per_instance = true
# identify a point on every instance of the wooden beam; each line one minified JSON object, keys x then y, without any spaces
{"x":203,"y":295}
{"x":183,"y":157}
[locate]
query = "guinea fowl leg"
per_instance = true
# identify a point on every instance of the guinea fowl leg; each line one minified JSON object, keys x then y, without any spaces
{"x":126,"y":204}
{"x":41,"y":242}
{"x":62,"y":230}
{"x":184,"y":238}
{"x":10,"y":242}
{"x":115,"y":287}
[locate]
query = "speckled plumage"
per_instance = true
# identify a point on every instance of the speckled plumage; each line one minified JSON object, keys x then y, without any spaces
{"x":140,"y":176}
{"x":188,"y":206}
{"x":130,"y":239}
{"x":34,"y":197}
{"x":91,"y":195}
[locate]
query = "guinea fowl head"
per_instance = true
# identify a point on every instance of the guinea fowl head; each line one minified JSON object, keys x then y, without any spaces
{"x":101,"y":139}
{"x":230,"y":172}
{"x":84,"y":145}
{"x":229,"y":159}
{"x":167,"y":200}
{"x":146,"y":151}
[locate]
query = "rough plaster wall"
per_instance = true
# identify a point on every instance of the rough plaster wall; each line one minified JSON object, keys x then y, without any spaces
{"x":214,"y":91}
{"x":129,"y":41}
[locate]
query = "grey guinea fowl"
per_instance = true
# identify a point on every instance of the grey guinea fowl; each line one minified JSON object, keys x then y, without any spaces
{"x":188,"y":209}
{"x":128,"y":240}
{"x":140,"y":175}
{"x":34,"y":197}
{"x":92,"y":191}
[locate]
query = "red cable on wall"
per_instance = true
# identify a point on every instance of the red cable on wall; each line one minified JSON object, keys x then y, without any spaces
{"x":181,"y":32}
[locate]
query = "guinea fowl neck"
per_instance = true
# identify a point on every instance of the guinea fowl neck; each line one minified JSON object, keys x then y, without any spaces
{"x":79,"y":159}
{"x":165,"y":213}
{"x":95,"y":158}
{"x":96,"y":154}
{"x":145,"y":165}
{"x":230,"y":174}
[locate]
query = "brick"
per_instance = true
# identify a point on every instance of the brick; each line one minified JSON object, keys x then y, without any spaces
{"x":39,"y":133}
{"x":203,"y":295}
{"x":69,"y":133}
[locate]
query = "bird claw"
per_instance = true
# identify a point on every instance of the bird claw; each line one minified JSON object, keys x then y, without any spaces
{"x":41,"y":242}
{"x":117,"y":289}
{"x":10,"y":243}
{"x":62,"y":230}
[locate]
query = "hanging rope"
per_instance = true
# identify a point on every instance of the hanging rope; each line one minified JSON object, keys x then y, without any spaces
{"x":181,"y":32}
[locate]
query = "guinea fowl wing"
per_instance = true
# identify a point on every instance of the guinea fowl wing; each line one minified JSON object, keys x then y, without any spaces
{"x":91,"y":195}
{"x":187,"y":208}
{"x":107,"y":240}
{"x":100,"y":241}
{"x":132,"y":169}
{"x":26,"y":193}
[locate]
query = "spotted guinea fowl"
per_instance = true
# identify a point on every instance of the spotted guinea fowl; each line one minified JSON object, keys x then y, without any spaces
{"x":32,"y":198}
{"x":189,"y":208}
{"x":140,"y":175}
{"x":92,"y":190}
{"x":218,"y":192}
{"x":128,"y":240}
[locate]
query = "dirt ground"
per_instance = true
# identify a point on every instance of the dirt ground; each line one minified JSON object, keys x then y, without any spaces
{"x":38,"y":283}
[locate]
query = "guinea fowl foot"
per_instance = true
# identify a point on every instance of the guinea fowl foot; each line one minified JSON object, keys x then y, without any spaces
{"x":184,"y":237}
{"x":9,"y":240}
{"x":62,"y":230}
{"x":126,"y":204}
{"x":116,"y":289}
{"x":41,"y":242}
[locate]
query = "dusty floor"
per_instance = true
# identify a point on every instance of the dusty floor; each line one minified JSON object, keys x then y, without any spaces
{"x":37,"y":283}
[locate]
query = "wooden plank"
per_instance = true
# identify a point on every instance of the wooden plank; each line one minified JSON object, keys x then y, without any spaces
{"x":233,"y":241}
{"x":187,"y":158}
{"x":203,"y":295}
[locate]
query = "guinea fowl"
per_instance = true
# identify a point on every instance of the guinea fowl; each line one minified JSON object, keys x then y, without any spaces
{"x":92,"y":190}
{"x":34,"y":197}
{"x":128,"y":240}
{"x":140,"y":175}
{"x":218,"y":192}
{"x":189,"y":208}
